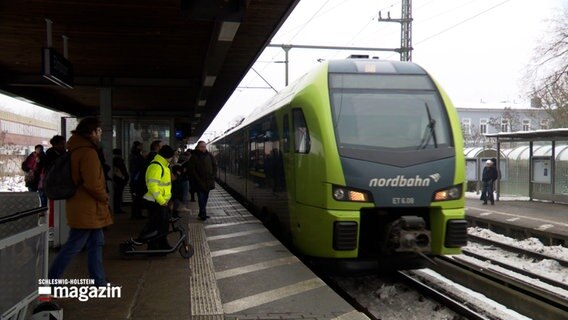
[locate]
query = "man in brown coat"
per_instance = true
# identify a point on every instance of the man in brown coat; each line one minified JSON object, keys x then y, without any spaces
{"x":87,"y":211}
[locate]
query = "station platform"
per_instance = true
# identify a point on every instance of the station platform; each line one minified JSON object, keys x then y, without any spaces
{"x":521,"y":219}
{"x":239,"y":271}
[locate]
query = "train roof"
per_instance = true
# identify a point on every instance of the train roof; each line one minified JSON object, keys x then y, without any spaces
{"x":331,"y":66}
{"x":374,"y":66}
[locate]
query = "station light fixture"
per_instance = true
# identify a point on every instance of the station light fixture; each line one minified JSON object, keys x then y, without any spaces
{"x":228,"y":30}
{"x":209,"y":81}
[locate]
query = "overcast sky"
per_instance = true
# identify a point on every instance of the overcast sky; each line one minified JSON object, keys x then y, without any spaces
{"x":476,"y":49}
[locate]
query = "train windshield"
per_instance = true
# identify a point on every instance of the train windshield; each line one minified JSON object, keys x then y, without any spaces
{"x":394,"y":112}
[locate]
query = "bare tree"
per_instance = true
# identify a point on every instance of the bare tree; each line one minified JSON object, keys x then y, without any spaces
{"x":472,"y":137}
{"x":513,"y":120}
{"x":547,"y":76}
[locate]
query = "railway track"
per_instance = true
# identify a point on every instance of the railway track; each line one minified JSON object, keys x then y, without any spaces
{"x":511,"y":293}
{"x":523,"y":297}
{"x":536,"y":255}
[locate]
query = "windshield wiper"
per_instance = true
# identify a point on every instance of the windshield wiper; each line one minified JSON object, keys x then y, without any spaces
{"x":430,"y":132}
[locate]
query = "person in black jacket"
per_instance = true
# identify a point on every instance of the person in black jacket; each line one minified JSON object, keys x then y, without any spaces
{"x":490,"y":175}
{"x":203,"y":169}
{"x":119,"y":179}
{"x":57,"y":149}
{"x":137,"y":169}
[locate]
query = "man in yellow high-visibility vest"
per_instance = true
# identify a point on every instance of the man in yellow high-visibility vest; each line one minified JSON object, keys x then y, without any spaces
{"x":157,"y":199}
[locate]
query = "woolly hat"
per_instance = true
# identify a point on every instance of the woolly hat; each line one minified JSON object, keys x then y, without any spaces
{"x":166,"y":151}
{"x":489,"y":162}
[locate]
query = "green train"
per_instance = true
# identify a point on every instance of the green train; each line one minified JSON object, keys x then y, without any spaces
{"x":358,"y":159}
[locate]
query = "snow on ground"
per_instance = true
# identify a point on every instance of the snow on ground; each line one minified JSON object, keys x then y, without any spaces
{"x":389,"y":301}
{"x":547,"y":268}
{"x":386,"y":298}
{"x":481,"y":301}
{"x":532,"y":244}
{"x":474,"y":195}
{"x":13,"y":184}
{"x":535,"y":282}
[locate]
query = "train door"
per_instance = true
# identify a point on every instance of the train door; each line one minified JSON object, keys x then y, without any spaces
{"x":288,"y":158}
{"x":289,"y":185}
{"x":301,"y":147}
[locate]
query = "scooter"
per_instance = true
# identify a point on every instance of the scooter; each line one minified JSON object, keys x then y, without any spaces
{"x":128,"y":248}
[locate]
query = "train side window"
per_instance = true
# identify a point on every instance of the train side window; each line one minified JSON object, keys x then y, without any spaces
{"x":285,"y":134}
{"x":301,"y":132}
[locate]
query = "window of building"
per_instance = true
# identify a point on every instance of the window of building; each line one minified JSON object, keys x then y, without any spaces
{"x":504,"y":125}
{"x":466,"y":125}
{"x":483,"y":126}
{"x":526,"y":125}
{"x":544,"y":124}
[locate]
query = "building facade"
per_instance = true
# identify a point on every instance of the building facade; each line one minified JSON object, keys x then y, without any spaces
{"x":483,"y":118}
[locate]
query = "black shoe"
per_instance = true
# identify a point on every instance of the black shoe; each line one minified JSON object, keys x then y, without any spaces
{"x":492,"y":203}
{"x":203,"y":218}
{"x":192,"y":200}
{"x":485,"y":203}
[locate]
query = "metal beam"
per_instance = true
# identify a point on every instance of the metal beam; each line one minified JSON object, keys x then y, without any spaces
{"x":301,"y":46}
{"x":114,"y":82}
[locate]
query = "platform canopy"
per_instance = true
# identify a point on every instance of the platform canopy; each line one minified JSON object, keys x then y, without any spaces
{"x":536,"y":135}
{"x":180,"y":58}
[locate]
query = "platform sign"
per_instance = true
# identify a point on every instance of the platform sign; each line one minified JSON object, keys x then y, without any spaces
{"x":541,"y":170}
{"x":56,"y":68}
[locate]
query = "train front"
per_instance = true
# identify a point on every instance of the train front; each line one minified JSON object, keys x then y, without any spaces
{"x":401,"y":153}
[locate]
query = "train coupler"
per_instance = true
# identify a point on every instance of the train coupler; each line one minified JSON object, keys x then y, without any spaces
{"x":409,"y":234}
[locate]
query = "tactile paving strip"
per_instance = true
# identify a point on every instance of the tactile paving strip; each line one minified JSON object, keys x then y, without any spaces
{"x":205,"y":298}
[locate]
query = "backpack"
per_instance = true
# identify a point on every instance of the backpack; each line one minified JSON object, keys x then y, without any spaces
{"x":142,"y":188}
{"x":25,"y":166}
{"x":58,"y":183}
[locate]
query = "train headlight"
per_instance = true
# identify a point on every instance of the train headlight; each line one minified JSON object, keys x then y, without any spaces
{"x":451,"y":193}
{"x":348,"y":194}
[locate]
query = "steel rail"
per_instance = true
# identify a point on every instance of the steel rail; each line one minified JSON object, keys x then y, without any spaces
{"x":455,"y":305}
{"x":519,"y":296}
{"x":523,"y":272}
{"x":518,"y":250}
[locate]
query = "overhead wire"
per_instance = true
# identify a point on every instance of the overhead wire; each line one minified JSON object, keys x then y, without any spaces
{"x":298,"y":32}
{"x":459,"y":23}
{"x":463,"y":21}
{"x":417,"y":22}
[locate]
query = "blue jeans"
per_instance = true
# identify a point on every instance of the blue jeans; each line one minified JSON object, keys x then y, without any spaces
{"x":202,"y":197}
{"x":42,"y":197}
{"x":94,"y":240}
{"x":488,"y":191}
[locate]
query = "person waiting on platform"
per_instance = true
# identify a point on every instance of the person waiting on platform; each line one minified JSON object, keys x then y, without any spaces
{"x":157,"y":200}
{"x":119,"y":179}
{"x":88,"y":212}
{"x":489,"y":177}
{"x":203,"y":170}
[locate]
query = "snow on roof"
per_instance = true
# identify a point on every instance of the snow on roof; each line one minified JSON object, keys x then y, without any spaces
{"x":525,"y":105}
